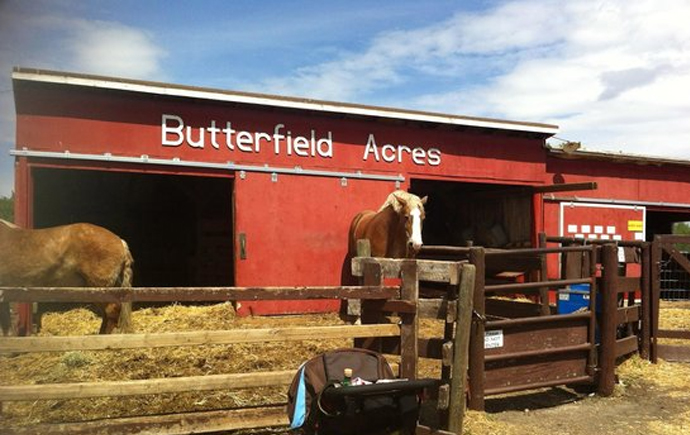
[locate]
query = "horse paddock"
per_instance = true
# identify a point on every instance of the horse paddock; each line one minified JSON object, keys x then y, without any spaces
{"x":649,"y":398}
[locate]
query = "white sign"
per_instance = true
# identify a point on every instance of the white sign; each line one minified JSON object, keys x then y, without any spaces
{"x":493,"y":339}
{"x":621,"y":255}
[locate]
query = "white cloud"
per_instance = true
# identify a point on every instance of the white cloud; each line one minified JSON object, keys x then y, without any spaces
{"x":613,"y":74}
{"x":114,"y":49}
{"x":33,"y":36}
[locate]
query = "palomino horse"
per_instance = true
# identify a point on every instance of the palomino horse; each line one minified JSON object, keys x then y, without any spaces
{"x":77,"y":255}
{"x":395,"y":231}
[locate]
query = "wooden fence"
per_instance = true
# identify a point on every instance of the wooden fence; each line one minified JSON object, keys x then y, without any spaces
{"x":378,"y":300}
{"x":664,"y":252}
{"x":517,"y":345}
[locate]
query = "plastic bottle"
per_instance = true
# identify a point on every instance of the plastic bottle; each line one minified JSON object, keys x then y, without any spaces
{"x":347,"y":377}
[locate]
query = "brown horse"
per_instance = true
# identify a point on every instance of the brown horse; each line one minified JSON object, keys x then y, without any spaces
{"x":77,"y":255}
{"x":395,"y":231}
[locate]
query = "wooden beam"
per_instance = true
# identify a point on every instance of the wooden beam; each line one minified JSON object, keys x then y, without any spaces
{"x":673,"y":353}
{"x":676,"y":255}
{"x":628,"y":314}
{"x":566,"y":187}
{"x":627,"y":284}
{"x":191,"y":294}
{"x":477,"y":338}
{"x":461,"y":345}
{"x":147,"y":386}
{"x":196,"y":338}
{"x":409,"y":327}
{"x":674,"y":333}
{"x":429,"y":270}
{"x":440,"y":309}
{"x":626,"y":346}
{"x":170,"y":424}
{"x":607,"y":321}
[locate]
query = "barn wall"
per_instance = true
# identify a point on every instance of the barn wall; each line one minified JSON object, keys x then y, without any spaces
{"x":80,"y":120}
{"x":293,"y":229}
{"x":624,"y":181}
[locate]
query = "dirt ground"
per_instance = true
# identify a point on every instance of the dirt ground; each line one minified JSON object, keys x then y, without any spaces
{"x":649,"y":399}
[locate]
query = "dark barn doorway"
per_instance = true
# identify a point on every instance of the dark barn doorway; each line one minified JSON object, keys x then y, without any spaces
{"x":489,"y":215}
{"x":179,"y":228}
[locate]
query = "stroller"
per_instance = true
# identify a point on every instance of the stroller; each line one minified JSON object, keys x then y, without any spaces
{"x":319,"y":404}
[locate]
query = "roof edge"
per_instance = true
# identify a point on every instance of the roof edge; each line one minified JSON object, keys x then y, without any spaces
{"x":160,"y":88}
{"x":615,"y":157}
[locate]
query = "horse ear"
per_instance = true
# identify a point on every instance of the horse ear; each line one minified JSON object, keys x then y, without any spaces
{"x":401,"y":201}
{"x":424,"y":199}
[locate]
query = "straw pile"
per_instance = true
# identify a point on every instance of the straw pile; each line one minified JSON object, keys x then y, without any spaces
{"x":650,"y":399}
{"x":87,"y":366}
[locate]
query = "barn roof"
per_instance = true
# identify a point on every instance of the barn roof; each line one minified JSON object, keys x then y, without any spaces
{"x":616,"y":157}
{"x":166,"y":89}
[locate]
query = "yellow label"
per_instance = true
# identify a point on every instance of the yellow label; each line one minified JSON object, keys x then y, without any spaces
{"x":635,"y":226}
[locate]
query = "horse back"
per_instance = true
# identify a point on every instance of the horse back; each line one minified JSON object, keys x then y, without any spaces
{"x":68,"y":255}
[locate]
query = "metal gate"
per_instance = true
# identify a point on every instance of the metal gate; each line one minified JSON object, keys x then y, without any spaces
{"x":671,"y":286}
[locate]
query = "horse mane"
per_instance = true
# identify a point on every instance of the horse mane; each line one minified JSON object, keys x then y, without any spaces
{"x":401,"y":194}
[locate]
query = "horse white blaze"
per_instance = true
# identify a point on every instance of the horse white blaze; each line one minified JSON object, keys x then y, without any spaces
{"x":416,"y":236}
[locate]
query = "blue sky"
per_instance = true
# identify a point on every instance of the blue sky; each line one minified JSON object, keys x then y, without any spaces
{"x":614,"y":75}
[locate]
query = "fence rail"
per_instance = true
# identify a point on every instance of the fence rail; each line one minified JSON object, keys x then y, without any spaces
{"x":381,"y":299}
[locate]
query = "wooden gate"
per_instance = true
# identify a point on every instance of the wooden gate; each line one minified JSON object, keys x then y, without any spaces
{"x":667,"y":255}
{"x":519,"y":345}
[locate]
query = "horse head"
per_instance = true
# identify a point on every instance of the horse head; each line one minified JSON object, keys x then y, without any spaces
{"x":411,"y":209}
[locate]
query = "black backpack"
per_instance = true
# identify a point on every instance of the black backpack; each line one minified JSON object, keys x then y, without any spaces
{"x":318,"y":404}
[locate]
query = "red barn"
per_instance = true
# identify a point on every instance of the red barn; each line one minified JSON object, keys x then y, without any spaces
{"x":219,"y":188}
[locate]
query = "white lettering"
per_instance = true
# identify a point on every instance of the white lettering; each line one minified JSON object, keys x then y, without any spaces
{"x":165,"y":131}
{"x":371,"y":147}
{"x":244,"y":141}
{"x":325,"y":146}
{"x":257,"y":139}
{"x":301,"y":146}
{"x":277,"y":137}
{"x":401,"y":149}
{"x":200,"y":142}
{"x":214,"y":131}
{"x":174,"y":132}
{"x":388,"y":153}
{"x":228,"y":136}
{"x":434,"y":156}
{"x":418,"y":156}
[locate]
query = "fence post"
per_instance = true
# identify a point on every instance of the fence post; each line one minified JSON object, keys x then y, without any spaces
{"x":351,"y":309}
{"x":456,"y":412}
{"x":476,"y":362}
{"x":543,"y":276}
{"x":607,"y":320}
{"x":646,"y":302}
{"x":409,"y":329}
{"x":367,"y":312}
{"x":593,"y":292}
{"x":655,"y":276}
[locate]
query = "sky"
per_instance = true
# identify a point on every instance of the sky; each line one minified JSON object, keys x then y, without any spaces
{"x":613,"y":75}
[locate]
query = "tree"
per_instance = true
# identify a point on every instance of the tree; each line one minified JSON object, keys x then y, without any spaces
{"x":7,"y":208}
{"x":682,"y":228}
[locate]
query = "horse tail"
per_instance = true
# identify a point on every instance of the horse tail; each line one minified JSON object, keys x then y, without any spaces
{"x":5,"y":317}
{"x":126,"y":275}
